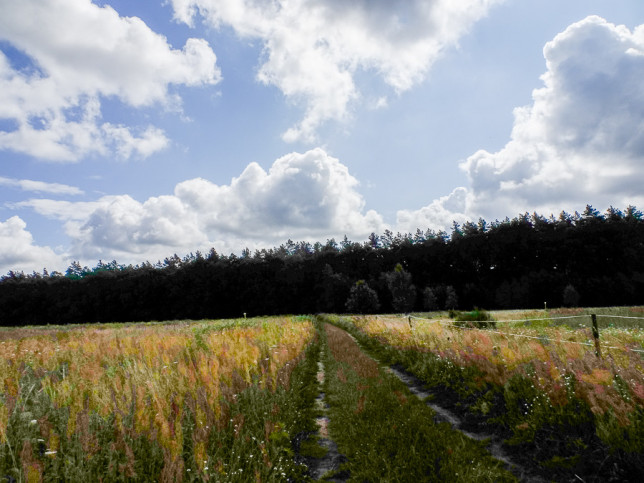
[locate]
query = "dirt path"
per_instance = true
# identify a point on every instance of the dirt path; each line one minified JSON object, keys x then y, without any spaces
{"x":331,"y":461}
{"x":326,"y":467}
{"x":492,"y":442}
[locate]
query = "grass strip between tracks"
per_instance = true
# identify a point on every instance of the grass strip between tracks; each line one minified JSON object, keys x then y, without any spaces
{"x":559,"y":444}
{"x":386,"y":433}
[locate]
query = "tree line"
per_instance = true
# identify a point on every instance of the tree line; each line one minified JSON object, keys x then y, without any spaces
{"x":588,"y":258}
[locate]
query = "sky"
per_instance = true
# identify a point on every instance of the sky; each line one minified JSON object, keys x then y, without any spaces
{"x":132,"y":130}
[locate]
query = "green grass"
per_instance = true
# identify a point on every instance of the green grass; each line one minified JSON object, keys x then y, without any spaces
{"x":476,"y":318}
{"x":258,"y":439}
{"x":311,"y":448}
{"x":558,"y":441}
{"x":610,"y":316}
{"x":385,"y":432}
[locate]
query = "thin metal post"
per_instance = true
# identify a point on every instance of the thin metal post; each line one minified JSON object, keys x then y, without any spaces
{"x":598,"y":350}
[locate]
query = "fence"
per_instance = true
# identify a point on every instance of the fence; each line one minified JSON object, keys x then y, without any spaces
{"x":593,"y":321}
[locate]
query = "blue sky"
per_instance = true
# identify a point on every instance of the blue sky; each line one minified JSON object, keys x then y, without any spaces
{"x":133,"y":130}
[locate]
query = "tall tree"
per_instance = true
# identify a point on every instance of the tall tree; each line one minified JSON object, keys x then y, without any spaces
{"x":403,"y":291}
{"x":362,"y":299}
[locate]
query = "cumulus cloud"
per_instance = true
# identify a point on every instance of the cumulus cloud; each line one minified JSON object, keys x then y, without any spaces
{"x":301,"y":195}
{"x":122,"y":227}
{"x":18,"y":251}
{"x":580,"y":142}
{"x":307,"y":195}
{"x":79,"y":53}
{"x":312,"y":50}
{"x":151,"y":140}
{"x":438,"y":215}
{"x":582,"y":139}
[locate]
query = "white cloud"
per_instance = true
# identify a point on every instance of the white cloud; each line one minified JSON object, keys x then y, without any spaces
{"x":580,"y":142}
{"x":64,"y":210}
{"x":313,"y":49}
{"x":301,"y":195}
{"x":308,"y":196}
{"x":151,"y":141}
{"x":438,"y":215}
{"x":380,"y":103}
{"x":81,"y":53}
{"x":40,"y":186}
{"x":123,"y":227}
{"x":18,"y":252}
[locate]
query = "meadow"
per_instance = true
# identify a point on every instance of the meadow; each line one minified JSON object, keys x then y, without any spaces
{"x":385,"y":432}
{"x":235,"y":400}
{"x":534,"y":376}
{"x":182,"y":401}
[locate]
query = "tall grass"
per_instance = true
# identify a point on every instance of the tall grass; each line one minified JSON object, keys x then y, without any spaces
{"x":168,"y":402}
{"x":544,"y":386}
{"x":385,"y":432}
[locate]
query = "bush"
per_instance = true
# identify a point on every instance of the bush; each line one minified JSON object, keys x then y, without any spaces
{"x":476,"y":318}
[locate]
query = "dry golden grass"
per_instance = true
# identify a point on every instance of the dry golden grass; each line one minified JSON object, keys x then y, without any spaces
{"x":546,"y":355}
{"x":155,"y":372}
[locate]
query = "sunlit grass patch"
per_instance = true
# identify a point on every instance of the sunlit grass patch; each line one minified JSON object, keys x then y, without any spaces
{"x":386,"y":433}
{"x":150,"y":401}
{"x":543,"y":385}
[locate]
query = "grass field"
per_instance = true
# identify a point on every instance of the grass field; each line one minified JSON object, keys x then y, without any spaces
{"x":148,"y":402}
{"x":540,"y":381}
{"x":235,"y":400}
{"x":385,"y":432}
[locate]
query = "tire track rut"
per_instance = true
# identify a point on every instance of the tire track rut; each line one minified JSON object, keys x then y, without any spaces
{"x":492,"y":443}
{"x":331,"y":461}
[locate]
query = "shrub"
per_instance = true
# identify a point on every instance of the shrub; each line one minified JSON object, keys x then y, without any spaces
{"x":476,"y":318}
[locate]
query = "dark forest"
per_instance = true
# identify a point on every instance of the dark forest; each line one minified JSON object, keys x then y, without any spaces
{"x":587,"y":259}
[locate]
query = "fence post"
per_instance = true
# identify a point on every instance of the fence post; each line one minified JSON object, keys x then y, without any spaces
{"x":598,"y":350}
{"x":410,"y":322}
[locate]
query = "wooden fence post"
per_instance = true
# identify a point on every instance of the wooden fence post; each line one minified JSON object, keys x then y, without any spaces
{"x":598,"y":350}
{"x":410,"y":322}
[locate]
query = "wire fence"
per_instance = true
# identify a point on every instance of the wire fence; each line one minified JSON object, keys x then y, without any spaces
{"x":619,"y":316}
{"x":530,"y":320}
{"x":540,"y":338}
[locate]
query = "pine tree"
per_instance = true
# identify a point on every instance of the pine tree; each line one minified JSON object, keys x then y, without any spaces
{"x":430,"y":301}
{"x":403,"y":292}
{"x":570,"y":296}
{"x":451,"y":300}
